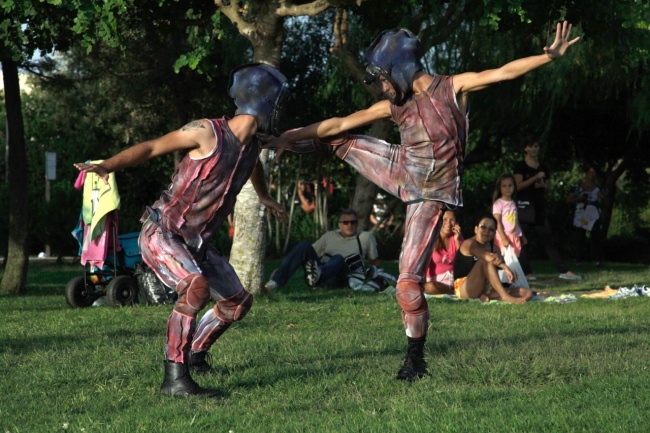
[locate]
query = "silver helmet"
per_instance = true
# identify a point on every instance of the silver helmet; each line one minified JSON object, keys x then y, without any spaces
{"x":259,"y":90}
{"x":394,"y":55}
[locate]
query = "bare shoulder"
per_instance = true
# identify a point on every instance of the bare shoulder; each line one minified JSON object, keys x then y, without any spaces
{"x":465,"y":247}
{"x":196,"y":124}
{"x":421,"y":82}
{"x":200,"y":133}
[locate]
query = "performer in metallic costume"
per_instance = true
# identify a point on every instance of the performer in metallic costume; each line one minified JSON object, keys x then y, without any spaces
{"x":425,"y":169}
{"x":222,"y":154}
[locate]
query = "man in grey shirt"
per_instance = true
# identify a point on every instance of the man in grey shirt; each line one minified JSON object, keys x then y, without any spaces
{"x":331,"y":256}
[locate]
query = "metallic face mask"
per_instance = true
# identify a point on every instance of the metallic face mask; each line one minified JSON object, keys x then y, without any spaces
{"x":260,"y":91}
{"x":394,"y":55}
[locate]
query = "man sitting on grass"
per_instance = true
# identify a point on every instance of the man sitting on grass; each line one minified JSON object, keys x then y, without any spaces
{"x":332,"y":256}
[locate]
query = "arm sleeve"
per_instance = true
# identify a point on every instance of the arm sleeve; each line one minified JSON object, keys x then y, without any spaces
{"x":320,"y":244}
{"x":497,"y":207}
{"x":369,"y":245}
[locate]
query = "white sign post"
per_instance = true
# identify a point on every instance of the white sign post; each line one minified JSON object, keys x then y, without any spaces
{"x":50,"y":174}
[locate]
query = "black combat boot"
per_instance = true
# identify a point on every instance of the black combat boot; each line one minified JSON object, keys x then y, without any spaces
{"x":199,"y":363}
{"x":178,"y":382}
{"x":414,"y":365}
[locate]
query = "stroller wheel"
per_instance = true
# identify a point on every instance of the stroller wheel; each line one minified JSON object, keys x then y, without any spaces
{"x":81,"y":293}
{"x":122,"y":291}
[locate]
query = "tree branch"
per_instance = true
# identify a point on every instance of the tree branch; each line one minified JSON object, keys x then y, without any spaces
{"x":349,"y":59}
{"x":233,"y":12}
{"x":440,"y":31}
{"x":288,"y":8}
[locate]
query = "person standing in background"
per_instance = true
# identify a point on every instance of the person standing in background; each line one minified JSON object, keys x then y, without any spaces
{"x":533,"y":183}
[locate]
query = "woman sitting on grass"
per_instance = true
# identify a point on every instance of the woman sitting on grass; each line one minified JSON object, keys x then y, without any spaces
{"x":440,"y":274}
{"x":476,"y":264}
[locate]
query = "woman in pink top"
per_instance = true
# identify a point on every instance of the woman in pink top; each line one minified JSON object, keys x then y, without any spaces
{"x":440,"y":274}
{"x":504,"y":210}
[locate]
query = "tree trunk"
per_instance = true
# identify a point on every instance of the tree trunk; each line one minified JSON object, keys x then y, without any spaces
{"x":15,"y":274}
{"x":249,"y":243}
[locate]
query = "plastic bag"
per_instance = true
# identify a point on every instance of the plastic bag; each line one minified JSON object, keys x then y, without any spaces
{"x":511,"y":260}
{"x":585,"y":216}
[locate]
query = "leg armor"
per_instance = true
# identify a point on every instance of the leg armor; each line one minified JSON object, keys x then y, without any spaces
{"x":422,"y":227}
{"x":193,"y":295}
{"x":218,"y":319}
{"x":415,"y":311}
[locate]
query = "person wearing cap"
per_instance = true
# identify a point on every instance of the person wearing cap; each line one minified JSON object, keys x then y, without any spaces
{"x":222,"y":154}
{"x":425,"y":169}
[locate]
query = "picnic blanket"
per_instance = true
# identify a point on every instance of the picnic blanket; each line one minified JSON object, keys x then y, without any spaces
{"x":564,"y":298}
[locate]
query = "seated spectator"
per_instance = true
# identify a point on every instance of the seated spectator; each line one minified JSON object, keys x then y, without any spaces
{"x":381,"y":217}
{"x":307,"y":196}
{"x":440,"y":274}
{"x":330,"y":257}
{"x":476,"y":264}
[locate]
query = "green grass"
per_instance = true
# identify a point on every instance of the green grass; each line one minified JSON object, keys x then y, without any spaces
{"x":325,"y":360}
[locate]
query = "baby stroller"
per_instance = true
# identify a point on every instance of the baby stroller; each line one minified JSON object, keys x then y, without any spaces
{"x":116,"y":279}
{"x":113,"y":264}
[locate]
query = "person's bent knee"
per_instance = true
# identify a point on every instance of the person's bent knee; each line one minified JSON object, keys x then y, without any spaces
{"x":302,"y":244}
{"x":234,"y":308}
{"x":410,"y":298}
{"x":193,"y":294}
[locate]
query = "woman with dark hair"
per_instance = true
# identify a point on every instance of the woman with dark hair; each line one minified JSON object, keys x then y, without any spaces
{"x":476,"y":268}
{"x":440,"y":274}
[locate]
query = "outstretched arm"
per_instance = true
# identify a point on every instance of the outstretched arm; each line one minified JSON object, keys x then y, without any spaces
{"x":189,"y":136}
{"x":329,"y":127}
{"x":259,"y":184}
{"x":473,"y":81}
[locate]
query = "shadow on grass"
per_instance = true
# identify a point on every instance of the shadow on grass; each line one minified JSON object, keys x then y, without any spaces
{"x":83,"y":339}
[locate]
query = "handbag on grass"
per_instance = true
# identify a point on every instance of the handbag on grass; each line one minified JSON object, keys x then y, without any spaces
{"x":366,"y":279}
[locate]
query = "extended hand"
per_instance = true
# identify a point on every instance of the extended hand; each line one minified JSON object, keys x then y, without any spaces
{"x":562,"y":42}
{"x":89,"y":167}
{"x":276,"y":209}
{"x":509,"y":274}
{"x":279,"y":144}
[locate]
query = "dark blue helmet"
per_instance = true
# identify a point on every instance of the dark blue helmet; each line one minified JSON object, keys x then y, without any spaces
{"x":394,"y":55}
{"x":259,"y":90}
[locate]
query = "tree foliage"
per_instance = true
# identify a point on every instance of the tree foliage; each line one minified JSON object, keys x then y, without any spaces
{"x":154,"y":65}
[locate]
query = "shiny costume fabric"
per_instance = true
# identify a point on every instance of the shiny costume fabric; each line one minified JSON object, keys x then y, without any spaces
{"x":424,"y":172}
{"x":174,"y":242}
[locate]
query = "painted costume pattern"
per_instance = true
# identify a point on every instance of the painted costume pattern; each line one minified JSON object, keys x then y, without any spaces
{"x":424,"y":171}
{"x":175,"y":235}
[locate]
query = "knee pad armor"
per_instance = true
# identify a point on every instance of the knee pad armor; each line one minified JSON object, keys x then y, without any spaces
{"x":410,"y":298}
{"x":234,"y":308}
{"x":193,"y":294}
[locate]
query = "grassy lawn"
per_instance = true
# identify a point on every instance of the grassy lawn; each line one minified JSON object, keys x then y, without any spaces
{"x":324,"y":361}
